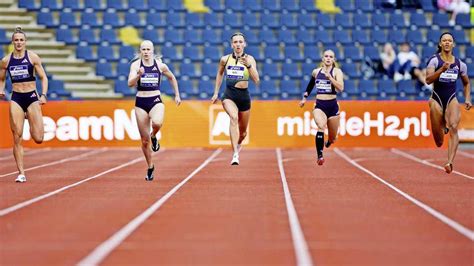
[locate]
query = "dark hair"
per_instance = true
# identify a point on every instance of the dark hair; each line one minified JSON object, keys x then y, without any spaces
{"x":237,"y":34}
{"x":440,"y":37}
{"x":18,"y":30}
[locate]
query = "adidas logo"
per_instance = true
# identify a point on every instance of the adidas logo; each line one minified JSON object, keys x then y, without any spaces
{"x":154,"y":69}
{"x":24,"y":61}
{"x":157,"y":99}
{"x":33,"y":95}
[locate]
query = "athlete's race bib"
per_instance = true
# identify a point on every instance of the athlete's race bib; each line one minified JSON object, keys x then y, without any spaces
{"x":235,"y":72}
{"x":19,"y":72}
{"x":323,"y":86}
{"x":149,"y":80}
{"x":450,"y":75}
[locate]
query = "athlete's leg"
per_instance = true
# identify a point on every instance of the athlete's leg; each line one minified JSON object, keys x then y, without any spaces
{"x":17,"y":120}
{"x":453,"y":115}
{"x":157,"y":114}
{"x":333,"y":128}
{"x":437,"y":122}
{"x":143,"y":122}
{"x":231,"y":109}
{"x":321,"y":121}
{"x":35,"y":119}
{"x":244,"y":118}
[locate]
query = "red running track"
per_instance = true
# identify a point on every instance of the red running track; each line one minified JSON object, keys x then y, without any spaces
{"x":218,"y":214}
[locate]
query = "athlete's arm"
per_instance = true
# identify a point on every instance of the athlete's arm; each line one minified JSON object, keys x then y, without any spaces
{"x":338,"y":80}
{"x":309,"y":88}
{"x":135,"y":72}
{"x":172,"y":79}
{"x":467,"y":86}
{"x":431,"y":74}
{"x":3,"y":75}
{"x":219,"y":76}
{"x":36,"y":61}
{"x":252,"y":68}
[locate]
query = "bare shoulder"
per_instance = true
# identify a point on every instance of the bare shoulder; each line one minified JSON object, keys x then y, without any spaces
{"x":5,"y":61}
{"x":224,"y":58}
{"x":33,"y":56}
{"x":162,"y":66}
{"x":315,"y":71}
{"x":337,"y":70}
{"x":135,"y":64}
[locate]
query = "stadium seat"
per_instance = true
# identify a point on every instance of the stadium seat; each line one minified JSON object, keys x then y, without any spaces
{"x":267,"y":36}
{"x":206,"y":89}
{"x":209,"y":70}
{"x":156,"y":20}
{"x":212,"y":53}
{"x":138,"y":5}
{"x":307,"y":20}
{"x":112,"y":19}
{"x":364,"y":5}
{"x":52,"y":5}
{"x":289,"y":20}
{"x":293,"y":52}
{"x":232,"y":20}
{"x":432,"y":36}
{"x":106,"y":53}
{"x":441,"y":19}
{"x":415,"y":37}
{"x":194,"y":20}
{"x":66,"y":36}
{"x":127,"y":53}
{"x":271,"y":70}
{"x":372,"y":52}
{"x":90,"y":19}
{"x":251,"y":20}
{"x":289,"y":89}
{"x":119,"y":5}
{"x":387,"y":87}
{"x":214,"y":20}
{"x":94,"y":4}
{"x":325,"y":37}
{"x":255,"y":52}
{"x":379,"y":36}
{"x":193,"y":37}
{"x":351,"y":70}
{"x":121,"y":86}
{"x":360,"y":36}
{"x":362,"y":21}
{"x":418,"y":20}
{"x":286,"y":37}
{"x":305,"y":36}
{"x":269,"y":89}
{"x":175,"y":5}
{"x":380,"y":20}
{"x":273,"y":52}
{"x":174,"y":37}
{"x":175,"y":20}
{"x":367,"y":88}
{"x":187,"y":70}
{"x":307,"y":5}
{"x":88,"y":36}
{"x":460,"y":37}
{"x":28,"y":4}
{"x":464,"y":21}
{"x":397,"y":21}
{"x":352,"y":52}
{"x":151,"y":35}
{"x":396,"y":36}
{"x":133,"y":19}
{"x":291,"y":70}
{"x":105,"y":70}
{"x":211,"y":37}
{"x":324,"y":21}
{"x":312,"y":52}
{"x":342,"y":36}
{"x":157,"y":5}
{"x":46,"y":19}
{"x":350,"y":87}
{"x":270,"y":20}
{"x":427,"y":5}
{"x":170,"y":52}
{"x":86,"y":53}
{"x":192,"y":53}
{"x":251,"y":38}
{"x":343,"y":20}
{"x":271,"y":5}
{"x":291,"y":6}
{"x":73,"y":5}
{"x":123,"y":69}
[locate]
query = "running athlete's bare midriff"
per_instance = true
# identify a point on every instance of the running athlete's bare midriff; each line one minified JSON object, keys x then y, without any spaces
{"x":24,"y":86}
{"x":325,"y":97}
{"x":242,"y":85}
{"x":148,"y":93}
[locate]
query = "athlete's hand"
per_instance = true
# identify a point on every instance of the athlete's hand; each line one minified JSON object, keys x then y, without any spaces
{"x":2,"y":95}
{"x":141,"y":71}
{"x":467,"y":105}
{"x":214,"y":99}
{"x":244,"y":61}
{"x":303,"y":101}
{"x":43,"y":99}
{"x":445,"y":66}
{"x":177,"y":100}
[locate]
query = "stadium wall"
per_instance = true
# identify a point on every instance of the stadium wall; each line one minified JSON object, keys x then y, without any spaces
{"x":200,"y":124}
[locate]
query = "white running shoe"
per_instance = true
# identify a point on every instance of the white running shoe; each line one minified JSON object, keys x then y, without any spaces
{"x":20,"y":179}
{"x":235,"y":159}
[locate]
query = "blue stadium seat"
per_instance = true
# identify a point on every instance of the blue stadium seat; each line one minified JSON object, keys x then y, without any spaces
{"x":397,"y":21}
{"x":290,"y":70}
{"x":460,"y":36}
{"x":251,"y":38}
{"x":123,"y":69}
{"x":463,"y":20}
{"x":234,"y":5}
{"x":214,"y":20}
{"x":271,"y":5}
{"x":351,"y":70}
{"x":346,"y":6}
{"x":291,"y":6}
{"x":51,"y":5}
{"x":94,"y":4}
{"x":155,"y":20}
{"x":419,"y":20}
{"x":271,"y":70}
{"x":211,"y":37}
{"x":251,"y":20}
{"x":133,"y":19}
{"x":270,"y":20}
{"x":352,"y":52}
{"x":427,"y":52}
{"x":194,"y":20}
{"x":342,"y":36}
{"x":325,"y":21}
{"x":118,"y":5}
{"x":157,"y":5}
{"x":269,"y":89}
{"x":380,"y":20}
{"x":175,"y":20}
{"x":106,"y":53}
{"x":360,"y":36}
{"x":334,"y":49}
{"x":73,"y":5}
{"x":255,"y":52}
{"x":187,"y":69}
{"x":267,"y":36}
{"x":273,"y":52}
{"x":28,"y":4}
{"x":323,"y":37}
{"x":406,"y":88}
{"x":312,"y":52}
{"x":174,"y":36}
{"x":293,"y":52}
{"x":372,"y":52}
{"x":387,"y":87}
{"x":126,"y":53}
{"x":192,"y":53}
{"x":88,"y":36}
{"x":415,"y":37}
{"x":396,"y":36}
{"x":66,"y":36}
{"x":379,"y":36}
{"x":90,"y":19}
{"x":175,"y":5}
{"x":193,"y":37}
{"x":121,"y":86}
{"x":441,"y":19}
{"x":362,"y":21}
{"x":343,"y":20}
{"x":289,"y":20}
{"x":289,"y":89}
{"x":187,"y":89}
{"x":112,"y":19}
{"x":138,"y":5}
{"x":170,"y":52}
{"x":367,"y":88}
{"x":350,"y":88}
{"x":305,"y":36}
{"x":470,"y":71}
{"x":151,"y":35}
{"x":109,"y":35}
{"x":47,"y":19}
{"x":469,"y":52}
{"x":427,"y":5}
{"x":307,"y":20}
{"x":232,"y":20}
{"x":432,"y":36}
{"x":307,"y":5}
{"x":86,"y":53}
{"x":3,"y":38}
{"x":252,"y":5}
{"x":286,"y":37}
{"x":209,"y":70}
{"x":364,"y":5}
{"x":206,"y":89}
{"x":105,"y":70}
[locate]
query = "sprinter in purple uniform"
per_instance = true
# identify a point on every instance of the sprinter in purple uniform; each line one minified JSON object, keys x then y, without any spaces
{"x":443,"y":71}
{"x":328,"y":80}
{"x":25,"y":102}
{"x":145,"y":74}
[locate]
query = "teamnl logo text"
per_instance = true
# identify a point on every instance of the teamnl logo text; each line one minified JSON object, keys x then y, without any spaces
{"x":69,"y":128}
{"x":390,"y":126}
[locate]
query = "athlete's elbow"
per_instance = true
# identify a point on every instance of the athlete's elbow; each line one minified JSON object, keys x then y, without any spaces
{"x":257,"y":81}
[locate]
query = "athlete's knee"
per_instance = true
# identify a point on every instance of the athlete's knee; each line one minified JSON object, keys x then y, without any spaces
{"x":157,"y":125}
{"x":145,"y":140}
{"x":234,"y":119}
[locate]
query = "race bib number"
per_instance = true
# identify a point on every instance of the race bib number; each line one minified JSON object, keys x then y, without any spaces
{"x":323,"y":86}
{"x":450,"y":75}
{"x":19,"y":72}
{"x":235,"y":72}
{"x":149,"y":80}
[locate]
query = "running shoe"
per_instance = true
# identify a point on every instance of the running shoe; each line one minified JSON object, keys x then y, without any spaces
{"x":448,"y":168}
{"x":20,"y":179}
{"x":327,"y":144}
{"x":149,"y":174}
{"x":235,"y":159}
{"x":155,"y":145}
{"x":321,"y":160}
{"x":446,"y":130}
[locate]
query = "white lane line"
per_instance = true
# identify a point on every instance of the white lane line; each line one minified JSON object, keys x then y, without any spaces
{"x":18,"y":206}
{"x":443,"y":218}
{"x":299,"y":242}
{"x":425,"y":162}
{"x":104,"y":249}
{"x":28,"y":152}
{"x":468,"y":155}
{"x":80,"y":156}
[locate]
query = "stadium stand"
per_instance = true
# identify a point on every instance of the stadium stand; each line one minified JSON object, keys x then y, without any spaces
{"x":286,"y":37}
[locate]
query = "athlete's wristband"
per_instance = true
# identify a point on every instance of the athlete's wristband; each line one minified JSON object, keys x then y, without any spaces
{"x":46,"y":97}
{"x":249,"y":66}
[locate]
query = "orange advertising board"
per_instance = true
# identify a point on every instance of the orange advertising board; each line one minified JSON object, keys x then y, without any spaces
{"x":201,"y":124}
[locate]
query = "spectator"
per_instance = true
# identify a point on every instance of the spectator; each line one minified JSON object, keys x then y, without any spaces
{"x":387,"y":58}
{"x":407,"y":65}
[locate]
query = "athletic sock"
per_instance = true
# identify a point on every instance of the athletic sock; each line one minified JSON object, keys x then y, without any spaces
{"x":319,"y":139}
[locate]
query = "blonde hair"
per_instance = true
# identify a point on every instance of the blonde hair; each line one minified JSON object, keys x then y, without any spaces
{"x":334,"y":64}
{"x":138,"y":55}
{"x":18,"y":30}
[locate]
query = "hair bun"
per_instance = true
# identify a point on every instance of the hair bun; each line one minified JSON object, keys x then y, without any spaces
{"x":17,"y":29}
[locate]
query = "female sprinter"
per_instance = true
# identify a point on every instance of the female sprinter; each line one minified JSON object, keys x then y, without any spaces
{"x":443,"y":70}
{"x":237,"y":66}
{"x":25,"y":102}
{"x":328,"y":80}
{"x":145,"y":74}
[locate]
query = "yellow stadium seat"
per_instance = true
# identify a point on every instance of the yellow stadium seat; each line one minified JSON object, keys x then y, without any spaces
{"x":129,"y":35}
{"x":196,"y":6}
{"x":327,"y":6}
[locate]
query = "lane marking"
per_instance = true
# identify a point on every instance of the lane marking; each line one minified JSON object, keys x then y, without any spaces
{"x":443,"y":218}
{"x":425,"y":162}
{"x":106,"y":247}
{"x":80,"y":156}
{"x":23,"y":204}
{"x":468,"y":155}
{"x":299,"y":242}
